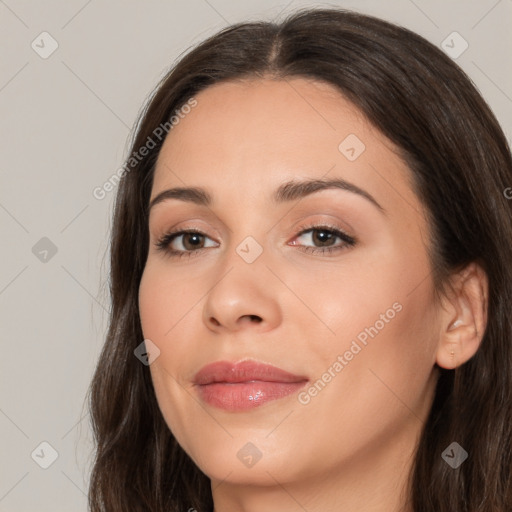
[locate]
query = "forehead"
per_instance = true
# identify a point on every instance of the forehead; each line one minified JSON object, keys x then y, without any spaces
{"x":263,"y":118}
{"x":252,"y":135}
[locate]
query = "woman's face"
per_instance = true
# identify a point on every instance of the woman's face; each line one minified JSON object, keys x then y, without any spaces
{"x":357,"y":327}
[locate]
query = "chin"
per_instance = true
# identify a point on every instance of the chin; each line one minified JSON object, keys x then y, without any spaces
{"x":239,"y":460}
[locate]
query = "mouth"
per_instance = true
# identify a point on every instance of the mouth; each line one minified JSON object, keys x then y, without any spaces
{"x":244,"y":385}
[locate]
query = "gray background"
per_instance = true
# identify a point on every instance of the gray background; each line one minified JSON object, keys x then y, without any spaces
{"x":64,"y":124}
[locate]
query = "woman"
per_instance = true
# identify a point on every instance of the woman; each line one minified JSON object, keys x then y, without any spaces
{"x":311,"y":282}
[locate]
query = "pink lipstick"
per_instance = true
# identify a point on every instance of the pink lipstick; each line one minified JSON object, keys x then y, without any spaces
{"x":244,"y":385}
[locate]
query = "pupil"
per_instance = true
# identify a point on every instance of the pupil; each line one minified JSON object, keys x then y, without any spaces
{"x":323,"y":236}
{"x":194,"y":236}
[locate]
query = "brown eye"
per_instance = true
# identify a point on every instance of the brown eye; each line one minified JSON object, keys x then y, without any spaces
{"x":323,"y":239}
{"x":192,"y":241}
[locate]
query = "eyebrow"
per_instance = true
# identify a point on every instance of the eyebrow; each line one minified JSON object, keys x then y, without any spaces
{"x":288,"y":191}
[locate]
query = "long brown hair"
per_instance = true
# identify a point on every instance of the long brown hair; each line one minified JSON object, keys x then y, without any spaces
{"x":460,"y":166}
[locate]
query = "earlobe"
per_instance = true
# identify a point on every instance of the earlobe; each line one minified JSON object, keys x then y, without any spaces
{"x":449,"y":354}
{"x":464,"y":320}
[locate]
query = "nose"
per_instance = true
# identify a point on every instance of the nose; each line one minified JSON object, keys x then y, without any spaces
{"x":245,"y":298}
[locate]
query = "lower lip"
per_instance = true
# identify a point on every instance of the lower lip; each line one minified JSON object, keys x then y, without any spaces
{"x":241,"y":396}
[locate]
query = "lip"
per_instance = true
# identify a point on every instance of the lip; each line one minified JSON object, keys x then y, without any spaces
{"x":244,"y":385}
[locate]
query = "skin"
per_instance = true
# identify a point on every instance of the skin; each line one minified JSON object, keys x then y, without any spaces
{"x":351,"y":446}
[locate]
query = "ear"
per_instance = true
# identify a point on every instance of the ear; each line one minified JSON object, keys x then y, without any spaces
{"x":464,"y":317}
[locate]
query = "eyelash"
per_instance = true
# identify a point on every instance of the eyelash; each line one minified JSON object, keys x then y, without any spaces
{"x":348,"y":241}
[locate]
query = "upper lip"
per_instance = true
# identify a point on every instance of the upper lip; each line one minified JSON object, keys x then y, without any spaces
{"x":243,"y":371}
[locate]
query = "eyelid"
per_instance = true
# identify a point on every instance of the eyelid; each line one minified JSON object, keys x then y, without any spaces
{"x":188,"y":225}
{"x":323,"y":220}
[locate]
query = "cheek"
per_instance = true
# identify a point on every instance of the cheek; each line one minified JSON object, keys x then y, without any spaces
{"x":382,"y":321}
{"x":381,"y":386}
{"x":165,"y":314}
{"x":152,"y":301}
{"x":168,"y":307}
{"x":164,"y":302}
{"x":399,"y":354}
